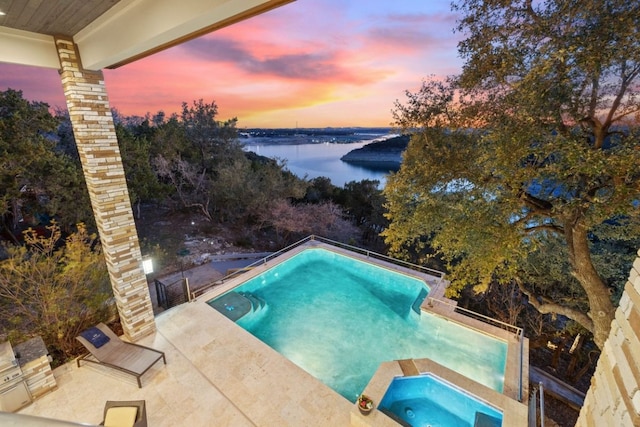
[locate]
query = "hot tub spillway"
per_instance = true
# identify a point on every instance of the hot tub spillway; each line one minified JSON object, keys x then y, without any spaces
{"x":236,"y":305}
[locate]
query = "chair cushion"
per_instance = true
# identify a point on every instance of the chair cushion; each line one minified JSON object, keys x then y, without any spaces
{"x":121,"y":416}
{"x":95,"y":336}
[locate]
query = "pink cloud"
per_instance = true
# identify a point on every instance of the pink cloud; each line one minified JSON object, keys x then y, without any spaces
{"x":309,"y":57}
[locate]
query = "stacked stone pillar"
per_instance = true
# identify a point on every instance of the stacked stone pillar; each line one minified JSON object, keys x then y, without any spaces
{"x":614,"y":396}
{"x":97,"y":144}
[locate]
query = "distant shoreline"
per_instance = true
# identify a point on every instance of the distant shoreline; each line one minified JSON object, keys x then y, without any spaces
{"x":385,"y":154}
{"x":311,"y":135}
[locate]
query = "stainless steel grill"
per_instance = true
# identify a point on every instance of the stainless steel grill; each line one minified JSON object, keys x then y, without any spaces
{"x":14,"y":393}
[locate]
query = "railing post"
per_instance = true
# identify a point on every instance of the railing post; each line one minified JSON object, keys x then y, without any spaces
{"x":161,"y":294}
{"x":521,"y":368}
{"x":187,"y":291}
{"x":533,"y":410}
{"x":541,"y":390}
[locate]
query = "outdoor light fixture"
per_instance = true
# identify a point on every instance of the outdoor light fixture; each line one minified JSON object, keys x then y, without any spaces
{"x":147,"y":265}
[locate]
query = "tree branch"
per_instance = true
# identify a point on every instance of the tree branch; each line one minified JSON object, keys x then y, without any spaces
{"x":623,"y":115}
{"x":545,"y":306}
{"x":535,"y":203}
{"x":549,"y":227}
{"x":626,"y":81}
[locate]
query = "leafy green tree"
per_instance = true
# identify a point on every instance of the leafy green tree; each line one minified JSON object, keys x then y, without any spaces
{"x":64,"y":194}
{"x":247,"y":188}
{"x":36,"y":180}
{"x":212,"y":141}
{"x":54,"y":290}
{"x":204,"y":164}
{"x":24,"y":149}
{"x":194,"y":152}
{"x":168,"y":138}
{"x":364,"y":202}
{"x":523,"y":163}
{"x":142,"y":181}
{"x":320,"y":190}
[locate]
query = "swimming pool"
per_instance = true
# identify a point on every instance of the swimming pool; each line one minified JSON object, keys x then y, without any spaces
{"x":338,"y":318}
{"x":427,"y":400}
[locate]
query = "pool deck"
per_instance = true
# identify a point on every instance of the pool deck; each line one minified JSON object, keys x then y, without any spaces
{"x":218,"y":373}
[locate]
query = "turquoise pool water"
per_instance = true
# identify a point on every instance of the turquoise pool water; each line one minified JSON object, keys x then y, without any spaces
{"x":428,"y":400}
{"x":338,"y":318}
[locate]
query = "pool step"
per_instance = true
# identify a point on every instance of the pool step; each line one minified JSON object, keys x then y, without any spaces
{"x":232,"y":305}
{"x":257,"y":303}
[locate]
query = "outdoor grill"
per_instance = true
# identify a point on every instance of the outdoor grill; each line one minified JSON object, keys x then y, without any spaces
{"x":14,"y":393}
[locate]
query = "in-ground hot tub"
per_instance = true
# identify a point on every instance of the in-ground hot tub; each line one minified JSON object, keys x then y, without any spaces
{"x":428,"y":400}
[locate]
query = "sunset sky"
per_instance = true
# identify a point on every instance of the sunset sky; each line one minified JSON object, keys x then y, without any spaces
{"x":311,"y":63}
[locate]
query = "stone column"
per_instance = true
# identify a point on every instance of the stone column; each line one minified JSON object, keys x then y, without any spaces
{"x":95,"y":137}
{"x":614,"y":396}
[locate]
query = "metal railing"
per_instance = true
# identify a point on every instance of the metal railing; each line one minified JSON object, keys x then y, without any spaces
{"x":172,"y":294}
{"x":536,"y":407}
{"x":202,"y":289}
{"x":517,"y":331}
{"x":369,"y":254}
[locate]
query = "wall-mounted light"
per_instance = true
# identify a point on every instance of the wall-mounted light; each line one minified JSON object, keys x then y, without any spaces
{"x":147,"y":265}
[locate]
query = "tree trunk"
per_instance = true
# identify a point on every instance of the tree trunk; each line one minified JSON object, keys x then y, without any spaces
{"x":601,"y":309}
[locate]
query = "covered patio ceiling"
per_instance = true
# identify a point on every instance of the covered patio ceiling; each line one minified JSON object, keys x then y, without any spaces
{"x":111,"y":33}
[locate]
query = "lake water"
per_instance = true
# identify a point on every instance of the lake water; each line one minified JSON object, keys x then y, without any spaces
{"x":312,"y":160}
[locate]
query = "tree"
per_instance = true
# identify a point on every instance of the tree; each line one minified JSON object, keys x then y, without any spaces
{"x":36,"y":181}
{"x":320,"y":190}
{"x":212,"y":141}
{"x":191,"y":184}
{"x":247,"y":188}
{"x":364,"y":203}
{"x":292,"y":222}
{"x":54,"y":288}
{"x":142,"y":181}
{"x":192,"y":154}
{"x":531,"y":153}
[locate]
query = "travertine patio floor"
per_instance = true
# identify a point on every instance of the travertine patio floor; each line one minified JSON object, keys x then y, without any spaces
{"x":216,"y":374}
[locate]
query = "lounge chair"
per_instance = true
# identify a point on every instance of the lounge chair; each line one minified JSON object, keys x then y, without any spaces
{"x":125,"y":414}
{"x":109,"y":350}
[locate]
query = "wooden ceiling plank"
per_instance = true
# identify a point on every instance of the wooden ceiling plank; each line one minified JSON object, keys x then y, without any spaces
{"x":30,"y":18}
{"x":84,"y":13}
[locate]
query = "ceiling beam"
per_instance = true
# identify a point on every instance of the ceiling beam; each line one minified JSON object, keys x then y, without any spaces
{"x":130,"y":30}
{"x":133,"y":29}
{"x":26,"y":48}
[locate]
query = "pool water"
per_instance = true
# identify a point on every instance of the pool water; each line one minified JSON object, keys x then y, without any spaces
{"x":338,"y":318}
{"x":427,"y":400}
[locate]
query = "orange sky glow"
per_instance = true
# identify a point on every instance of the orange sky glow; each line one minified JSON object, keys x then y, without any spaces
{"x":311,"y":63}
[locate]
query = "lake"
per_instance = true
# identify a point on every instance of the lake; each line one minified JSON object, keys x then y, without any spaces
{"x":312,"y":160}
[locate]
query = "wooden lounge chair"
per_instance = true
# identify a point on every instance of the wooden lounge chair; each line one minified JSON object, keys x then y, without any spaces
{"x":125,"y":414}
{"x":109,"y":350}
